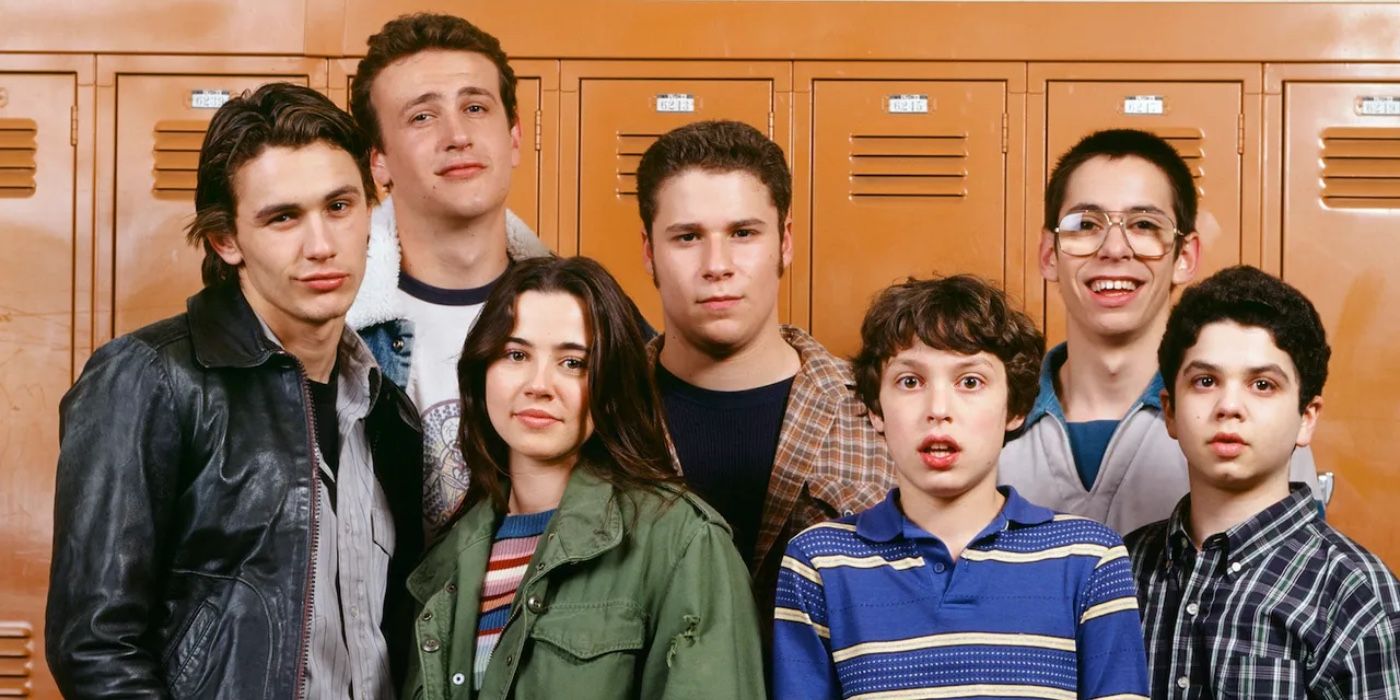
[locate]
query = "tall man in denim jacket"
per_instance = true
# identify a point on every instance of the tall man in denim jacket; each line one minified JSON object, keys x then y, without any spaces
{"x":1119,"y":236}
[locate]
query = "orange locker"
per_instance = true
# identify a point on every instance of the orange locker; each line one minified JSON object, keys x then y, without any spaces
{"x":617,"y":109}
{"x":910,"y":166}
{"x":1339,"y":151}
{"x":45,"y":176}
{"x":534,"y":186}
{"x":154,"y":110}
{"x":1210,"y":113}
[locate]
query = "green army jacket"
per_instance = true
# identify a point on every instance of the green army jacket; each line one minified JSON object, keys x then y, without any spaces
{"x":636,"y":595}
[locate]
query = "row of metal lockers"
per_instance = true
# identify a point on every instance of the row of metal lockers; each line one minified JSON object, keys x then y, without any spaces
{"x":900,"y":169}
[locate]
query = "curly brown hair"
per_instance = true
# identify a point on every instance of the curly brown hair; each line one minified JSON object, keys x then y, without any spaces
{"x":963,"y":314}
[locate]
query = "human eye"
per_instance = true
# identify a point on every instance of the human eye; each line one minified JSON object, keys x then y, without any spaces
{"x":475,"y":108}
{"x":1204,"y":381}
{"x":1088,"y":221}
{"x":686,"y":238}
{"x":1147,"y":223}
{"x":340,"y":206}
{"x":420,"y":118}
{"x":971,"y":382}
{"x":1264,"y":385}
{"x":515,"y":355}
{"x":907,"y":381}
{"x":574,"y":364}
{"x":745,"y":233}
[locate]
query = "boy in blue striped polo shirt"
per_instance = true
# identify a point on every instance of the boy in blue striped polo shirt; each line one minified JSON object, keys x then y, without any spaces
{"x":954,"y":587}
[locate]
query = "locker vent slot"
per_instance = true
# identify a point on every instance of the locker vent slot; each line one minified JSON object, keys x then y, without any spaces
{"x":16,"y":649}
{"x":1191,"y":144}
{"x":19,"y":144}
{"x":177,"y":156}
{"x":1361,"y":167}
{"x":921,"y":167}
{"x":630,"y":148}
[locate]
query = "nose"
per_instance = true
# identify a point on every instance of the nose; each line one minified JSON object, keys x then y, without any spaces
{"x":719,"y":259}
{"x":318,"y":243}
{"x":541,"y":380}
{"x":939,"y":403}
{"x":1229,"y":402}
{"x":1115,"y":243}
{"x":457,"y":135}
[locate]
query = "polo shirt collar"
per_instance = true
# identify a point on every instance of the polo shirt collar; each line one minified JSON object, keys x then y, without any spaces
{"x":885,"y":522}
{"x":1047,"y":402}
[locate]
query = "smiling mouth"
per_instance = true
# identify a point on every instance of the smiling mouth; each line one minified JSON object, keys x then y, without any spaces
{"x":536,"y":419}
{"x":1102,"y":285}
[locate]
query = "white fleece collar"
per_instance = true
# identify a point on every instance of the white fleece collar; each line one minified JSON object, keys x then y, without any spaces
{"x":378,"y":298}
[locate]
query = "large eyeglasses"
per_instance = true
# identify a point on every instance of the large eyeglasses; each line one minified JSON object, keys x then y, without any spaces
{"x":1150,"y":235}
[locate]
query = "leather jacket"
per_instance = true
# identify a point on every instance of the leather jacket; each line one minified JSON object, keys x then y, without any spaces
{"x":183,"y":528}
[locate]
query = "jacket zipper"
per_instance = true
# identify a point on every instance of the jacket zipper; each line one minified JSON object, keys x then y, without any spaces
{"x":304,"y":658}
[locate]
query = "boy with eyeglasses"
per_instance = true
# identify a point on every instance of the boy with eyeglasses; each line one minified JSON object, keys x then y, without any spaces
{"x":1119,"y":235}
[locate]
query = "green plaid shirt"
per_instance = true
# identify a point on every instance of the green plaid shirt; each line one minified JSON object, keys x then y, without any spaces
{"x":1279,"y":606}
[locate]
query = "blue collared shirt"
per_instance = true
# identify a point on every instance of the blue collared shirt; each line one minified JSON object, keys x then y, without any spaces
{"x":1037,"y":603}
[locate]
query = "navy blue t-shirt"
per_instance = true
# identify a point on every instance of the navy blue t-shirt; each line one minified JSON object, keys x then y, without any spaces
{"x":1088,"y":440}
{"x":726,"y":441}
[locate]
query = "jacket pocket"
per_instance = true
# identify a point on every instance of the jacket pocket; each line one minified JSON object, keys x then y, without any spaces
{"x":1261,"y":677}
{"x":588,"y":631}
{"x":185,"y":657}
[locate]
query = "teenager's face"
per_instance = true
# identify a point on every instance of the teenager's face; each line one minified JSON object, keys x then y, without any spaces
{"x":944,"y":420}
{"x":1112,"y":293}
{"x":302,"y":226}
{"x":448,"y":144}
{"x":1236,"y":410}
{"x":717,"y":252}
{"x":537,"y":390}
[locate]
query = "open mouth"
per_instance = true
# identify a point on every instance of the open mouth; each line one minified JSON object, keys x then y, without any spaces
{"x":939,"y":453}
{"x":1113,"y":285}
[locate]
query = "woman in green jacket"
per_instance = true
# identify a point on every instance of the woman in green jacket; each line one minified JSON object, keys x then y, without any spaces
{"x":578,"y":566}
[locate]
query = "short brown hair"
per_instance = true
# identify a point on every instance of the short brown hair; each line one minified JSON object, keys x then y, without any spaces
{"x":276,"y":115}
{"x":962,"y":314}
{"x":407,"y":35}
{"x":717,"y":146}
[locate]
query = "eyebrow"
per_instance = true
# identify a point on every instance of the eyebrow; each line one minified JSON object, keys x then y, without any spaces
{"x":470,"y":90}
{"x":692,"y":226}
{"x":963,"y":364}
{"x":560,"y":346}
{"x":1084,"y":206}
{"x":272,"y":210}
{"x":1271,"y":368}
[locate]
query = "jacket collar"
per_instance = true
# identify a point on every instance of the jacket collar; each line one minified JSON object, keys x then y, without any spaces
{"x":885,"y":522}
{"x":378,"y":298}
{"x":588,"y":523}
{"x":224,"y":330}
{"x":1047,"y":402}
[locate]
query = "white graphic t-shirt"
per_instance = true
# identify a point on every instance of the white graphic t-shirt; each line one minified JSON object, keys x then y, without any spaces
{"x":441,"y":319}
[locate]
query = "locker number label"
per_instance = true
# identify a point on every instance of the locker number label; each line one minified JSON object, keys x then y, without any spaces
{"x":908,"y":104}
{"x":1144,"y":104}
{"x":1388,"y":106}
{"x":208,"y":99}
{"x":675,"y":102}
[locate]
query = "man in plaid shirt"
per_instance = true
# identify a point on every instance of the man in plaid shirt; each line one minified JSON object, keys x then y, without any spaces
{"x":1245,"y":591}
{"x":764,"y":422}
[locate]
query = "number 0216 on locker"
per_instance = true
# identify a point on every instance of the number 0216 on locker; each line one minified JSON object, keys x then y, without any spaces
{"x":675,"y":102}
{"x":907,"y":104}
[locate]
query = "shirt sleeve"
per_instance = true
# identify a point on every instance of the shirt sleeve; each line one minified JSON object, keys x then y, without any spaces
{"x":1112,"y":661}
{"x":1370,"y":668}
{"x":802,"y":663}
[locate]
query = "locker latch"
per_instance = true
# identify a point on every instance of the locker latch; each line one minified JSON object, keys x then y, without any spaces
{"x":1239,"y":137}
{"x":1005,"y":132}
{"x":73,"y":125}
{"x":539,"y":130}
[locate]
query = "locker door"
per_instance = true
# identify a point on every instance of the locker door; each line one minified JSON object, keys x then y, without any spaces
{"x":527,"y":196}
{"x":909,"y":178}
{"x":38,"y":208}
{"x":619,"y":119}
{"x":160,"y":123}
{"x":1341,"y":215}
{"x":1201,"y":119}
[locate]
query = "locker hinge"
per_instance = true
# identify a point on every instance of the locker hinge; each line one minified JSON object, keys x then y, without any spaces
{"x":1005,"y":131}
{"x":770,"y":125}
{"x":539,"y":130}
{"x":73,"y":125}
{"x":1239,"y":138}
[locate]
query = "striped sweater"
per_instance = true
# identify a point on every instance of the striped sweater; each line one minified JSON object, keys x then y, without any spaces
{"x":511,"y":550}
{"x":1039,"y":605}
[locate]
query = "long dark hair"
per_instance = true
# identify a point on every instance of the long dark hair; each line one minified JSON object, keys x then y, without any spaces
{"x":628,"y":446}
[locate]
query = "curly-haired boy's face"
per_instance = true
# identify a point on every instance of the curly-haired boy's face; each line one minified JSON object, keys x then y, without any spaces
{"x":1113,"y":293}
{"x":1235,"y":414}
{"x":944,"y":418}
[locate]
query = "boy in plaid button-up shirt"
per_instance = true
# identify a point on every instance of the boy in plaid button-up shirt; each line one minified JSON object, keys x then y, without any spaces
{"x":764,"y":422}
{"x":1245,"y":591}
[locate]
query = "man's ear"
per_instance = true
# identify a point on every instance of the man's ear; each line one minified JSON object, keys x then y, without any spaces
{"x":1049,"y":266}
{"x":226,"y":245}
{"x":1168,"y":413}
{"x":379,"y":167}
{"x":1184,"y":267}
{"x":515,"y":144}
{"x":786,"y":245}
{"x":647,"y":256}
{"x":1015,"y":422}
{"x":1311,"y":412}
{"x":877,"y":421}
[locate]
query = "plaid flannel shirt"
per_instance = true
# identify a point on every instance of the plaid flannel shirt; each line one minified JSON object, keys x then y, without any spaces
{"x":1279,"y":606}
{"x":830,"y":461}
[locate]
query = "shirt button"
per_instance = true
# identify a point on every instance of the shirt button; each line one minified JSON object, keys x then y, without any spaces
{"x":939,"y":567}
{"x":1192,"y":608}
{"x":397,"y":344}
{"x":848,"y":513}
{"x":427,"y":615}
{"x":1236,"y":567}
{"x":458,"y":679}
{"x":431,"y":645}
{"x":1182,"y":682}
{"x":451,"y":588}
{"x":534,"y":604}
{"x":539,"y":566}
{"x":510,"y":659}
